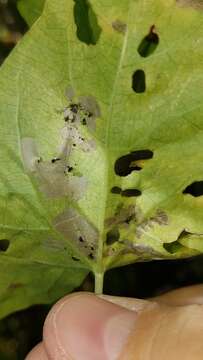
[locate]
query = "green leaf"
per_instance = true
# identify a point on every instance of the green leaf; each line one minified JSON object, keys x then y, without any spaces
{"x":117,"y":176}
{"x":30,"y":9}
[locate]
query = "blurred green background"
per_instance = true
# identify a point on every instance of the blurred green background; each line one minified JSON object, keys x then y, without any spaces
{"x":19,"y":332}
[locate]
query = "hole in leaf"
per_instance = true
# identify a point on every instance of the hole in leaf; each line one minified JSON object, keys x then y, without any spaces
{"x":195,"y":189}
{"x":81,"y":239}
{"x":131,"y":192}
{"x":116,"y":190}
{"x":138,"y":81}
{"x":129,"y":219}
{"x":4,"y":244}
{"x":127,"y":163}
{"x":55,"y":160}
{"x":69,"y":168}
{"x":173,"y":247}
{"x":112,"y":236}
{"x":75,"y":259}
{"x":149,"y":44}
{"x":183,"y":234}
{"x":88,"y":30}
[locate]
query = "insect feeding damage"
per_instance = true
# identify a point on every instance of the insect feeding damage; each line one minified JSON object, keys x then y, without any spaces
{"x":51,"y":175}
{"x":130,"y":162}
{"x":78,"y":115}
{"x":126,"y":226}
{"x":159,"y":218}
{"x":85,"y":110}
{"x":56,"y":178}
{"x":123,"y":215}
{"x":4,"y":245}
{"x":75,"y":228}
{"x":142,"y":250}
{"x":53,"y":244}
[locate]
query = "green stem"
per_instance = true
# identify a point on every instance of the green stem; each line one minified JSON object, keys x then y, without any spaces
{"x":99,"y":281}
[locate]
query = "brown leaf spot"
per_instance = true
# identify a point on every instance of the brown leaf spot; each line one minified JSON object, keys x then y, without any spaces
{"x":14,"y":286}
{"x":196,"y":4}
{"x":119,"y":26}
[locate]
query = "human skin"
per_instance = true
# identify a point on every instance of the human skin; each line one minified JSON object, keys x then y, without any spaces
{"x":83,"y":326}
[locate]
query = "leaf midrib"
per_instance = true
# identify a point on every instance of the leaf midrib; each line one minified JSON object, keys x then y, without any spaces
{"x":107,"y":175}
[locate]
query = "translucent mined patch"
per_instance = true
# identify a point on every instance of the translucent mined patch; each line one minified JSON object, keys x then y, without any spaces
{"x":90,"y":105}
{"x":52,"y":177}
{"x":159,"y":218}
{"x":72,"y":134}
{"x":54,"y":244}
{"x":78,"y":230}
{"x":54,"y":182}
{"x":30,"y":155}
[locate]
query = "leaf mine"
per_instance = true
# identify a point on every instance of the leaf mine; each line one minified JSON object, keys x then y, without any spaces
{"x":83,"y":112}
{"x":91,"y":109}
{"x":52,"y":176}
{"x":30,"y":154}
{"x":123,"y":215}
{"x":142,"y":250}
{"x":75,"y":228}
{"x":159,"y":218}
{"x":53,"y":244}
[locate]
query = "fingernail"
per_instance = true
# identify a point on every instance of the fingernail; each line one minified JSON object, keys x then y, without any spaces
{"x":90,"y":328}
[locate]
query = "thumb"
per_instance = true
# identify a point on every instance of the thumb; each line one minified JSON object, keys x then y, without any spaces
{"x":83,"y":326}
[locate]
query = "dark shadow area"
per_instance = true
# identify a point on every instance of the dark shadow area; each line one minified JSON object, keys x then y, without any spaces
{"x":21,"y":331}
{"x":153,"y":278}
